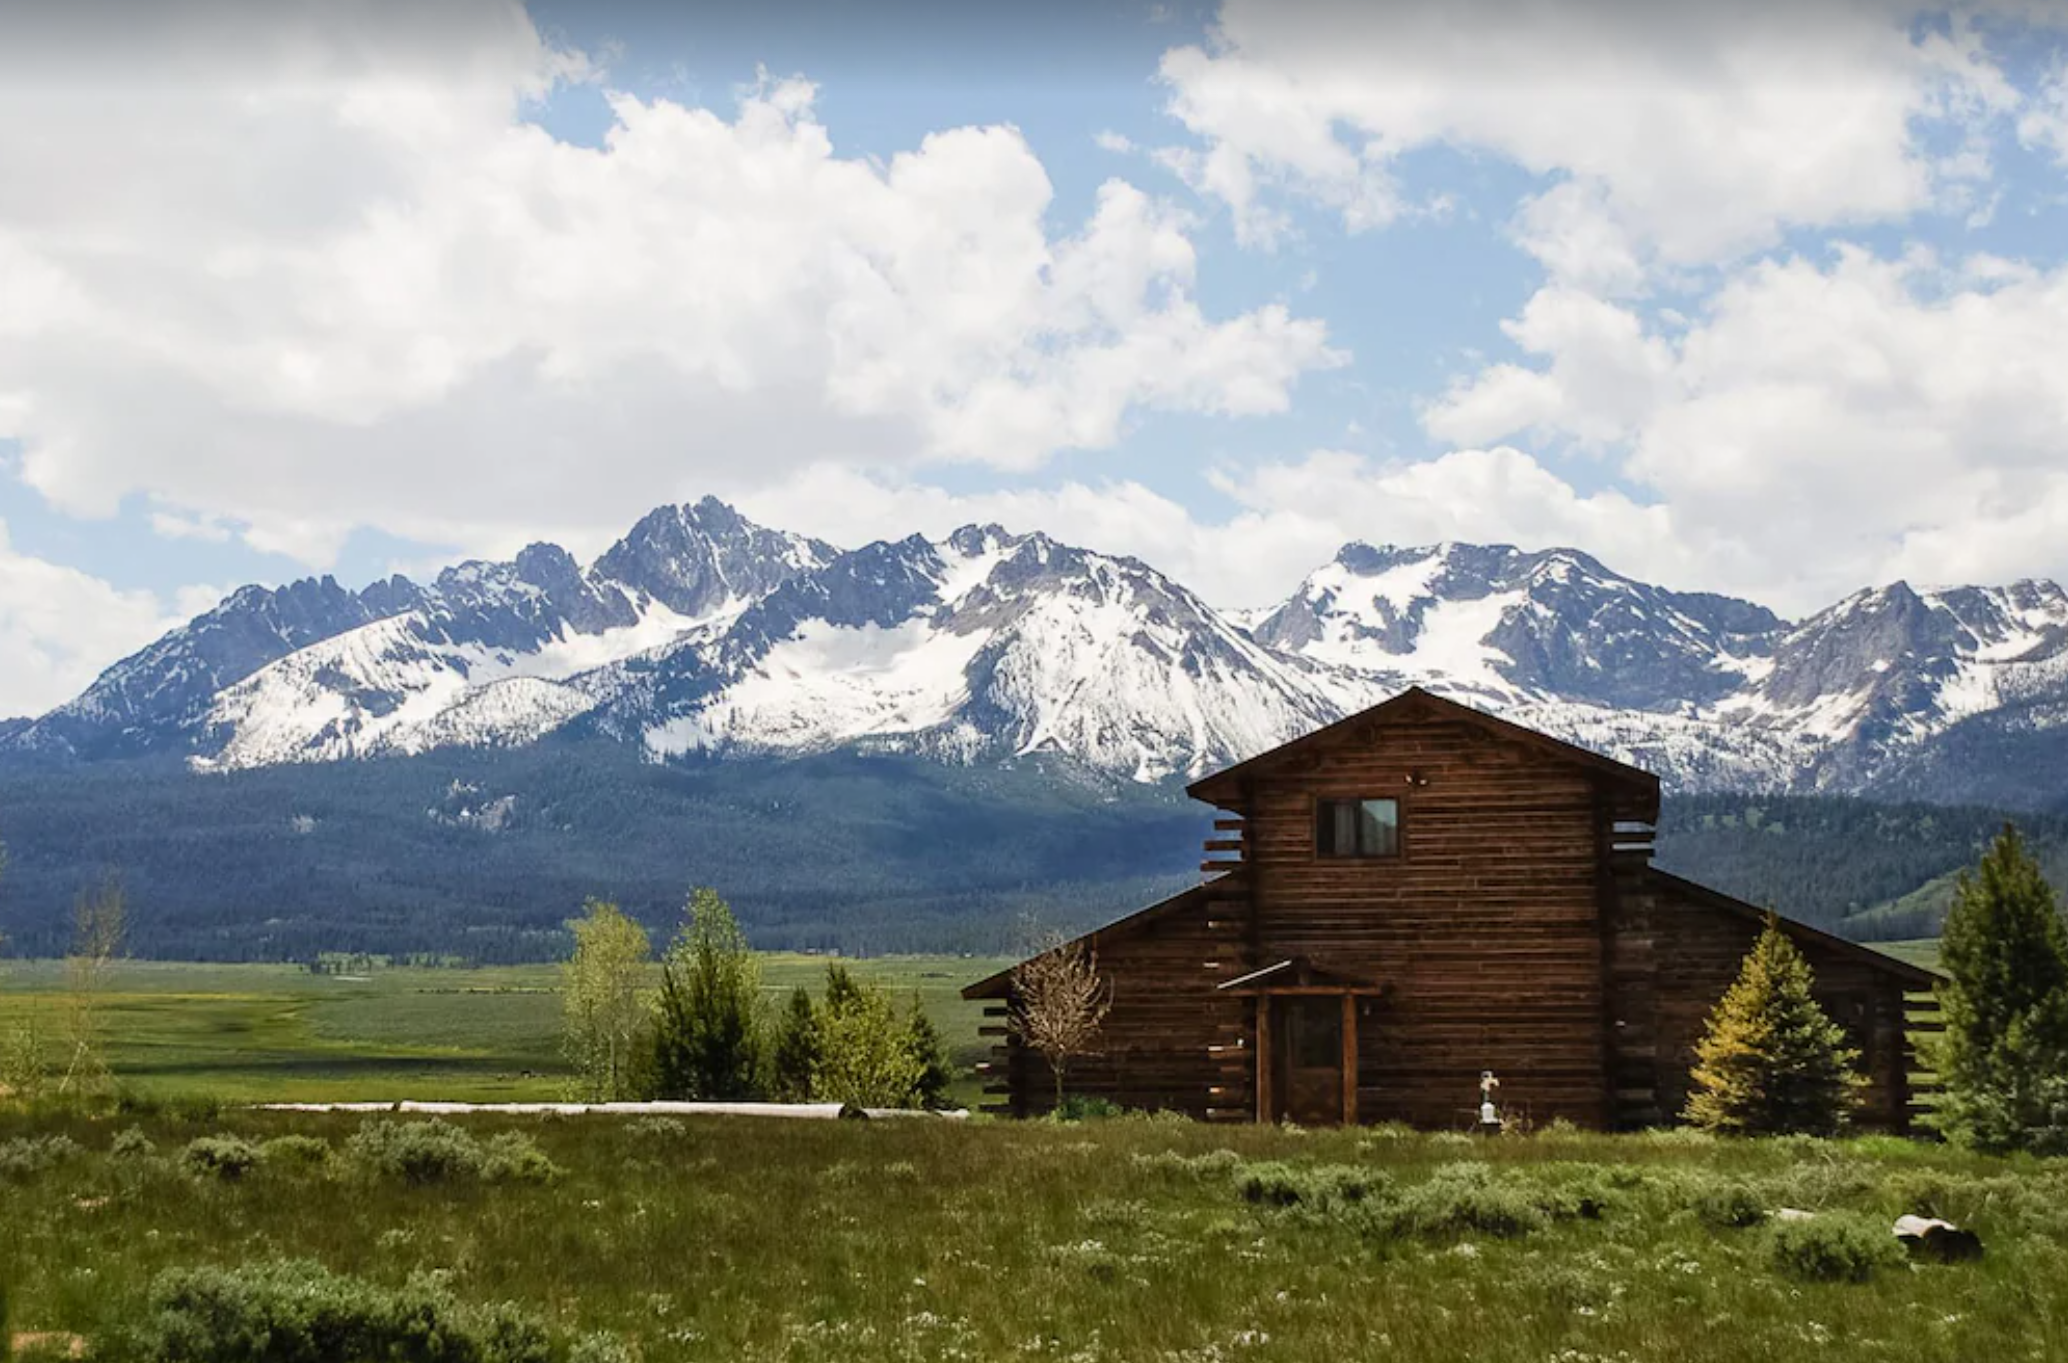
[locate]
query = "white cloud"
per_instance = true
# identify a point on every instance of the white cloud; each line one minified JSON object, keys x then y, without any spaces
{"x":59,"y":627}
{"x":1684,"y":134}
{"x":2044,"y":122}
{"x":307,"y":268}
{"x":173,"y":525}
{"x":1604,"y":375}
{"x":1843,"y":424}
{"x":1494,"y":496}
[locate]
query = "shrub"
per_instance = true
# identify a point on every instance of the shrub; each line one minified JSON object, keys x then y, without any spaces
{"x":1467,"y":1197}
{"x":1220,"y":1160}
{"x":1081,"y":1107}
{"x":1729,"y":1204}
{"x":656,"y":1129}
{"x":132,"y":1144}
{"x":513,"y":1157}
{"x":1822,"y":1182}
{"x":865,"y":1054}
{"x":1156,"y":1116}
{"x":415,"y":1152}
{"x":2021,"y":1199}
{"x":1386,"y":1132}
{"x":185,"y":1107}
{"x":294,"y":1152}
{"x":220,"y":1156}
{"x":1832,"y":1247}
{"x":1586,"y":1191}
{"x":295,"y":1311}
{"x":600,"y":1348}
{"x":422,"y":1153}
{"x":26,"y":1156}
{"x":1320,"y":1187}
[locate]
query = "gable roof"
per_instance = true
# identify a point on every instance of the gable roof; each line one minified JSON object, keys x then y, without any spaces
{"x":999,"y":985}
{"x":1638,"y":785}
{"x":1915,"y":975}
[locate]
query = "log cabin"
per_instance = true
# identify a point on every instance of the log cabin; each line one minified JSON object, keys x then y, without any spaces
{"x":1404,"y":902}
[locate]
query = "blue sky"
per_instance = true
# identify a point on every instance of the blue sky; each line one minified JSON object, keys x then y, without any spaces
{"x":1770,"y":300}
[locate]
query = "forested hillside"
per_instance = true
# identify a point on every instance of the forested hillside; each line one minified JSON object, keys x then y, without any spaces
{"x":1868,"y":870}
{"x":486,"y":854}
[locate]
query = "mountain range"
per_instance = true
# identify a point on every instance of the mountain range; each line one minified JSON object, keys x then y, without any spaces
{"x":703,"y":633}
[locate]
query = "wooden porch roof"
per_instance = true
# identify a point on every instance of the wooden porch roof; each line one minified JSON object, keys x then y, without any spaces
{"x":1297,"y":974}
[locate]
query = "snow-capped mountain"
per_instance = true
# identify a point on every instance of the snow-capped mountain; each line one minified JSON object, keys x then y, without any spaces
{"x":701,"y":631}
{"x":313,"y":672}
{"x":1508,"y":627}
{"x":985,"y":644}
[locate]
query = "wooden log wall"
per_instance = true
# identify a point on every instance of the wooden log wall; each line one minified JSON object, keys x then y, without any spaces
{"x":1700,"y":950}
{"x":1484,"y":932}
{"x":1630,"y":963}
{"x":1171,"y":1039}
{"x":1520,"y":929}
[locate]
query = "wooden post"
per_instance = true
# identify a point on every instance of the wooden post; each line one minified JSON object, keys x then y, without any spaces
{"x":1349,"y":1060}
{"x":1264,"y":1059}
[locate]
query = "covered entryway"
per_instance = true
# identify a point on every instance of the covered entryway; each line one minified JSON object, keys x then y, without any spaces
{"x":1305,"y":1041}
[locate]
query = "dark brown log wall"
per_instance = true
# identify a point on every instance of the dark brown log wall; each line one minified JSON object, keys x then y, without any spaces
{"x":1169,"y":1036}
{"x":1699,"y":951}
{"x":1484,"y":932}
{"x":1521,"y":929}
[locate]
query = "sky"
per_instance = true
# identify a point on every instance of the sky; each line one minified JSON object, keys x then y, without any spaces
{"x":1768,"y":299}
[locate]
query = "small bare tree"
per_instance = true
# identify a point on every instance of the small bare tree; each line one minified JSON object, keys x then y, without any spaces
{"x":1059,"y":1003}
{"x":99,"y":923}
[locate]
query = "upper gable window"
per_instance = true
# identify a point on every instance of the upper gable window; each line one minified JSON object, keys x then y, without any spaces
{"x":1357,"y":828}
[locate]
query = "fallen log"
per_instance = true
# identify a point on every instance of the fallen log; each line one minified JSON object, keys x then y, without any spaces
{"x":821,"y":1111}
{"x":1927,"y":1237}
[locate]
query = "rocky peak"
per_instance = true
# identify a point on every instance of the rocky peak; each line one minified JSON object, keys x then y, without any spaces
{"x":698,"y":559}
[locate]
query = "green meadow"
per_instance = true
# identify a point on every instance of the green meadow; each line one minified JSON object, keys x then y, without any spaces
{"x":1131,"y":1240}
{"x":277,"y":1033}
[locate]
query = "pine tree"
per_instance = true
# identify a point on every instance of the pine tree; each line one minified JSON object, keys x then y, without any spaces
{"x":707,"y":1037}
{"x":795,"y":1052}
{"x":2004,"y":1055}
{"x":1771,"y":1060}
{"x":935,"y":1071}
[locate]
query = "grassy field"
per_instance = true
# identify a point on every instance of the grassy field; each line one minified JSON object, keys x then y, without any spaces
{"x":249,"y":1033}
{"x":1134,"y":1240}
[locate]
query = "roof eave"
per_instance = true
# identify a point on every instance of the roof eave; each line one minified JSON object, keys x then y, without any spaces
{"x":1922,"y":976}
{"x":999,"y":986}
{"x":1225,"y":786}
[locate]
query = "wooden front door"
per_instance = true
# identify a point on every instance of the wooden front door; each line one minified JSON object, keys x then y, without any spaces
{"x":1307,"y":1044}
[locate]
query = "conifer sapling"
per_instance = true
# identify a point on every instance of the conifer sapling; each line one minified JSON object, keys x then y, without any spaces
{"x":1771,"y":1060}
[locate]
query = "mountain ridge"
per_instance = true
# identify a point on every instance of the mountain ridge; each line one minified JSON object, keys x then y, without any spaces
{"x":702,"y":631}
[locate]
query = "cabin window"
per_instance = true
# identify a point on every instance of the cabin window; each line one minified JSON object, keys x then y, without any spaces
{"x":1357,"y":828}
